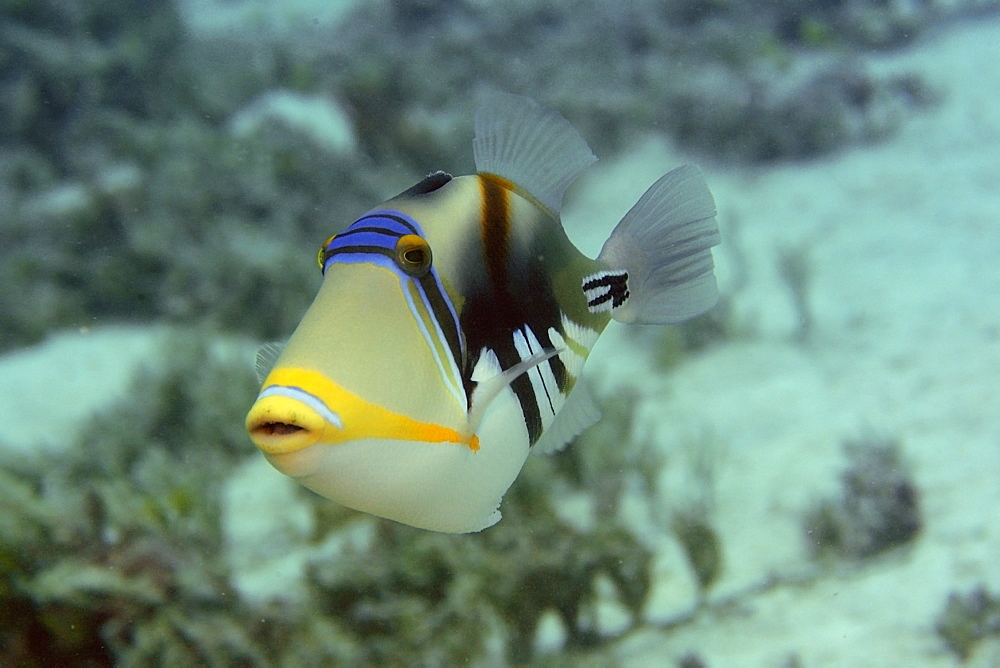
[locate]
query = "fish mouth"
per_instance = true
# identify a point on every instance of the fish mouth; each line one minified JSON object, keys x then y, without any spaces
{"x":275,"y":429}
{"x":280,"y":424}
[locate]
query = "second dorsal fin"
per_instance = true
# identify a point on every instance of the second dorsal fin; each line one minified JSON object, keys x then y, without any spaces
{"x":532,"y":146}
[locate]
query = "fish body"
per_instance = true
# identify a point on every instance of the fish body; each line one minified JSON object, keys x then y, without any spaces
{"x":454,"y":320}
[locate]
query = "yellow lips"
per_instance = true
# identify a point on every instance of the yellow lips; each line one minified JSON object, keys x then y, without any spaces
{"x":298,"y":408}
{"x":279,"y":424}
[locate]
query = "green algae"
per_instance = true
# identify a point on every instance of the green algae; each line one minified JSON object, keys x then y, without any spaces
{"x":114,"y":552}
{"x":878,"y":508}
{"x":967,"y":620}
{"x":129,"y":197}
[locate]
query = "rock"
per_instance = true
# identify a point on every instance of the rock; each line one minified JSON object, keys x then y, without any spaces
{"x":317,"y":117}
{"x":49,"y":391}
{"x":267,"y":527}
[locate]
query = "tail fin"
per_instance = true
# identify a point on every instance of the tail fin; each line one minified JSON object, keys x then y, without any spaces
{"x":659,"y":259}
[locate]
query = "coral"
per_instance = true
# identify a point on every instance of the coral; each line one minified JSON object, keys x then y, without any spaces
{"x":720,"y":78}
{"x":879,"y":506}
{"x":136,"y":186}
{"x":114,"y":551}
{"x":968,"y":619}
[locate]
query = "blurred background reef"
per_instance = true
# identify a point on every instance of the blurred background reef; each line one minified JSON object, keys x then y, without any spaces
{"x":159,"y":168}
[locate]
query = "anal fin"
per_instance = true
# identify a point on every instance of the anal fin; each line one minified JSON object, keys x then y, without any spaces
{"x":578,"y":414}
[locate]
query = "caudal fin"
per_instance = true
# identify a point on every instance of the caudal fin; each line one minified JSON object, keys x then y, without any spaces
{"x":659,"y":259}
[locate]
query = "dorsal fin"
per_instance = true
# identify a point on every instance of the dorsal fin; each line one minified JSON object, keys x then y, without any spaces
{"x":529,"y":145}
{"x":428,"y":184}
{"x":578,"y":414}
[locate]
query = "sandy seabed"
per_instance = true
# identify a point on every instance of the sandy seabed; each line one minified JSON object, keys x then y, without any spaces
{"x":903,"y":248}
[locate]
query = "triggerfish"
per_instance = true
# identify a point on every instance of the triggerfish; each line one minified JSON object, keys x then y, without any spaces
{"x":454,"y":320}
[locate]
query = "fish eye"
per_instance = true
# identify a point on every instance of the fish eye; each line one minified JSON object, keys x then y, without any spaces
{"x":322,"y":254}
{"x":413,"y":255}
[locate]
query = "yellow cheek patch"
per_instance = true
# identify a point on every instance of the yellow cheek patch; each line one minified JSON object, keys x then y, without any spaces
{"x":279,"y":423}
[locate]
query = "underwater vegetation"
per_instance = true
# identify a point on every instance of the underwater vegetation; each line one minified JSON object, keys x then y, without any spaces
{"x":967,"y":620}
{"x":153,"y":172}
{"x":106,"y":553}
{"x":131,"y":193}
{"x":719,"y":77}
{"x":693,"y":523}
{"x":128,"y":196}
{"x":878,"y":509}
{"x":139,"y":574}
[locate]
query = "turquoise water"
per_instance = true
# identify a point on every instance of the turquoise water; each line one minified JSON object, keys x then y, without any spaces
{"x":806,"y":475}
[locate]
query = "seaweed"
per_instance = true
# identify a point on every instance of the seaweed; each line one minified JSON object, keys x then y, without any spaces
{"x":132,"y":194}
{"x":108,"y":559}
{"x":416,"y":595}
{"x":681,"y":68}
{"x":129,"y":196}
{"x":968,"y":619}
{"x":116,"y":552}
{"x":692,"y":519}
{"x":701,"y":544}
{"x":606,"y":473}
{"x":878,"y":509}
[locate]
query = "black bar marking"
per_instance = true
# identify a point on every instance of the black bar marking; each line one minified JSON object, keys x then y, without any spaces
{"x":606,"y":290}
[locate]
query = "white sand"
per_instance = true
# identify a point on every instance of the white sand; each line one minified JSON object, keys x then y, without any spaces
{"x":273,"y":19}
{"x":904,"y":242}
{"x":48,"y":392}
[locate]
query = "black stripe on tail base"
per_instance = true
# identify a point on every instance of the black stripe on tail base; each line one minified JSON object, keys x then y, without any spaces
{"x":606,"y":290}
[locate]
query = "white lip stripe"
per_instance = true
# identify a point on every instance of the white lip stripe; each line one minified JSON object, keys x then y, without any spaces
{"x":310,"y":400}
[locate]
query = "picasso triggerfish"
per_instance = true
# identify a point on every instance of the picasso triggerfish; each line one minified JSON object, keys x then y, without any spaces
{"x":454,"y":320}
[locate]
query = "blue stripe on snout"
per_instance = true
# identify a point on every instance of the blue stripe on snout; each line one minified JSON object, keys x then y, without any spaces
{"x":370,"y":237}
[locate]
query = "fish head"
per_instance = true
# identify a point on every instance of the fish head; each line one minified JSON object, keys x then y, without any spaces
{"x":366,"y":403}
